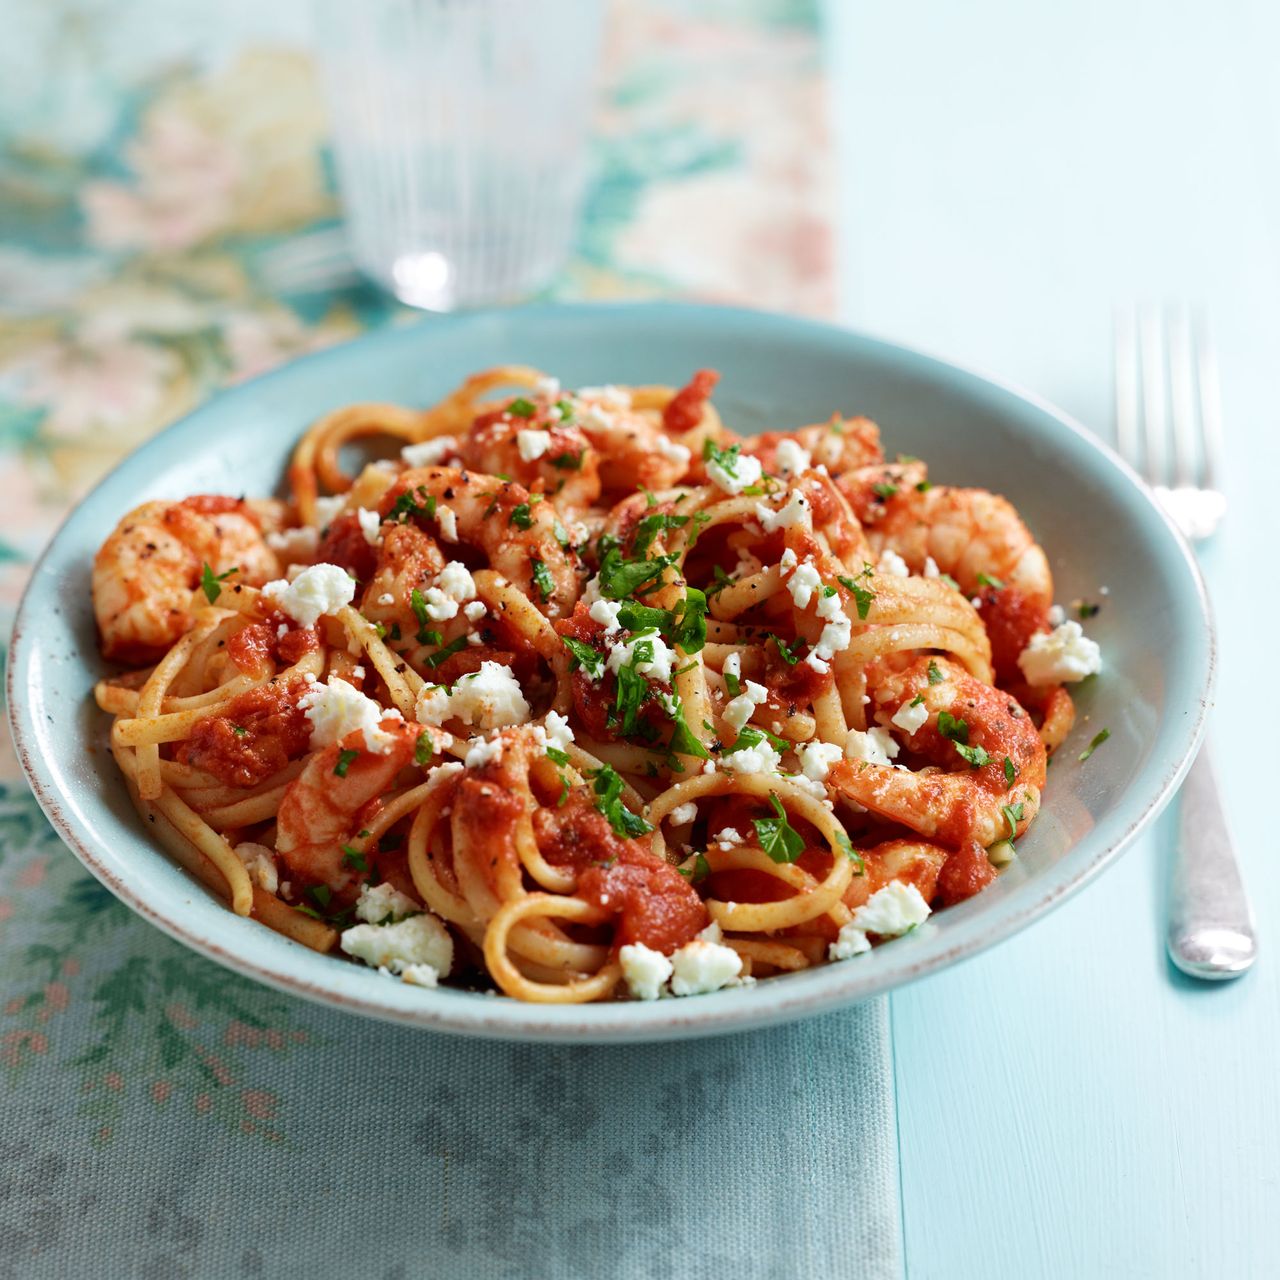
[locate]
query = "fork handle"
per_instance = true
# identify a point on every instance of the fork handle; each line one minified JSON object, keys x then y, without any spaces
{"x":1210,"y":933}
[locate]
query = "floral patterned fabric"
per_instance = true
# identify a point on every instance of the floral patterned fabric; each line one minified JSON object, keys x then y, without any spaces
{"x":168,"y":225}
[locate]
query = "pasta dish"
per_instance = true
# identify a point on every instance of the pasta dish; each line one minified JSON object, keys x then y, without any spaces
{"x":579,"y":695}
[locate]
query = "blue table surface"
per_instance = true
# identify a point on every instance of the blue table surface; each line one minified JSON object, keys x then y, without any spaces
{"x":1067,"y":1104}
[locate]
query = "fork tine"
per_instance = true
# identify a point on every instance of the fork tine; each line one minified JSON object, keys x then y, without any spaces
{"x":1151,"y":335}
{"x":1183,"y":397}
{"x":1126,"y":362}
{"x":1210,"y":405}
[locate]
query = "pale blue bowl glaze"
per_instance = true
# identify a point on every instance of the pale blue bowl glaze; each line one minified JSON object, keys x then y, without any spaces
{"x":1098,"y":523}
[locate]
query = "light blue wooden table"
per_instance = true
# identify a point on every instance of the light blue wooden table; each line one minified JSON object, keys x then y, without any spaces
{"x":1067,"y":1104}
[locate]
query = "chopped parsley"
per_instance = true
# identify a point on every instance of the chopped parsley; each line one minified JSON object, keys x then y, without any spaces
{"x":683,"y":740}
{"x":651,"y":526}
{"x":239,"y":730}
{"x":584,"y":656}
{"x":209,"y":582}
{"x":950,"y":727}
{"x":320,"y":894}
{"x":354,"y":859}
{"x":986,"y":580}
{"x":732,"y":683}
{"x":935,"y":673}
{"x":1098,"y":739}
{"x":691,"y":631}
{"x":344,"y":762}
{"x":607,"y":786}
{"x":700,"y":870}
{"x":406,"y":505}
{"x":788,"y":655}
{"x":1010,"y":773}
{"x":542,"y":579}
{"x":567,"y":461}
{"x":443,"y":655}
{"x":1086,"y":610}
{"x":565,"y":408}
{"x":521,"y":516}
{"x":976,"y":756}
{"x":750,"y":736}
{"x":863,"y":596}
{"x":419,"y":606}
{"x":633,"y":688}
{"x":556,"y":756}
{"x":1013,"y":816}
{"x":621,"y":578}
{"x":522,"y":408}
{"x":924,"y":486}
{"x":778,"y":838}
{"x":850,"y":852}
{"x":422,"y":748}
{"x":725,"y":459}
{"x":720,"y":580}
{"x":916,"y":701}
{"x":884,"y":490}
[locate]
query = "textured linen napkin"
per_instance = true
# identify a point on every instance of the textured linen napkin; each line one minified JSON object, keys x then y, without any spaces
{"x":164,"y":1118}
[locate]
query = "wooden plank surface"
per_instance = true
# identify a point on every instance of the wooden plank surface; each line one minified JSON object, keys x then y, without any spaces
{"x":1068,"y":1106}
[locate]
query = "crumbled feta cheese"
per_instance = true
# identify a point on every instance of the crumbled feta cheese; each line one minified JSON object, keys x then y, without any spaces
{"x":260,"y":863}
{"x":1057,"y":615}
{"x":802,"y":583}
{"x":421,"y":975}
{"x":318,"y":590}
{"x":383,"y":903}
{"x":482,"y":752}
{"x":370,"y":525}
{"x":1061,"y":655}
{"x":386,"y":598}
{"x":429,"y":452}
{"x":931,"y":568}
{"x":876,"y":746}
{"x":733,"y":666}
{"x":892,"y":564}
{"x":656,"y":668}
{"x":489,"y":698}
{"x":797,"y":513}
{"x":338,"y":708}
{"x":816,"y":759}
{"x":610,"y":396}
{"x":727,"y":838}
{"x":549,"y":387}
{"x":791,"y":458}
{"x":447,"y":519}
{"x":557,"y":731}
{"x":740,"y":709}
{"x":294,"y":546}
{"x":789,"y":560}
{"x":606,"y":613}
{"x":532,"y":444}
{"x":809,"y":786}
{"x":442,"y":773}
{"x":329,"y":509}
{"x":475,"y":611}
{"x":889,"y":912}
{"x":672,"y":451}
{"x":453,"y":585}
{"x":736,"y":474}
{"x":645,"y":970}
{"x":683,"y":814}
{"x":421,"y":940}
{"x":699,"y":967}
{"x":761,"y":758}
{"x":909,"y":717}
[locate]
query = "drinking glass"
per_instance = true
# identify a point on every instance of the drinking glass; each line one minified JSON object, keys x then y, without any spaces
{"x":460,"y":131}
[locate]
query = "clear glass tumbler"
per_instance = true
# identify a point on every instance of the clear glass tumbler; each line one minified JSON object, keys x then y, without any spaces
{"x":460,"y":130}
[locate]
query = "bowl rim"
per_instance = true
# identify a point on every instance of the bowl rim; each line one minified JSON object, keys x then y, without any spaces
{"x":769,"y":1003}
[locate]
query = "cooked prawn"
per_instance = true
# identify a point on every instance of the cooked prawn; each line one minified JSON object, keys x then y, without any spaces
{"x":521,"y":536}
{"x":558,"y":458}
{"x":147,"y":570}
{"x":633,"y":446}
{"x":322,"y":810}
{"x":968,"y":795}
{"x":841,"y":445}
{"x":407,"y":559}
{"x":966,"y":532}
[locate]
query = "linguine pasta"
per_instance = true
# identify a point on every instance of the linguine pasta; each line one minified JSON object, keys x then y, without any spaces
{"x":580,"y":695}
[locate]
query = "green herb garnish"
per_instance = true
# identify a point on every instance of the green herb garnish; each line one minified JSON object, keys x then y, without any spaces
{"x":778,"y":838}
{"x":344,"y":762}
{"x":542,"y":579}
{"x":1098,"y":739}
{"x":522,"y":408}
{"x":354,"y":859}
{"x":443,"y":655}
{"x":209,"y":582}
{"x":607,"y":786}
{"x":584,"y":656}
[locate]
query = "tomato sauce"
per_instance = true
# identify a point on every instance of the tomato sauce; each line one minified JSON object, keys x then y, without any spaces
{"x":684,"y":409}
{"x":655,"y":904}
{"x":1011,"y":619}
{"x":966,"y":871}
{"x":253,"y":646}
{"x":345,"y":545}
{"x":262,"y":730}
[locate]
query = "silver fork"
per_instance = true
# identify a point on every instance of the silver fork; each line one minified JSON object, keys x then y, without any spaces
{"x":1165,"y":361}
